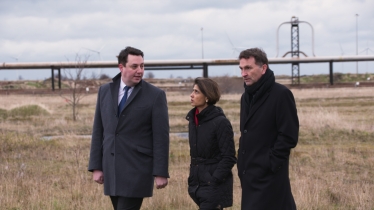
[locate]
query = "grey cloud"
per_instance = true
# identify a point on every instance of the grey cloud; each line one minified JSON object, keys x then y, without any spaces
{"x":46,"y":30}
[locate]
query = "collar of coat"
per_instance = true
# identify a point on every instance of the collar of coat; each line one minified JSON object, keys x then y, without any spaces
{"x":257,"y":90}
{"x":118,"y":77}
{"x":207,"y":114}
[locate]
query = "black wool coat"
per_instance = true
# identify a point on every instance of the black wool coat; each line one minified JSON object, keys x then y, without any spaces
{"x":268,"y":133}
{"x":212,"y":151}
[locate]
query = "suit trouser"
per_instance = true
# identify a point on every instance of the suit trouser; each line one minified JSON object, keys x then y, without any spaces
{"x":125,"y":203}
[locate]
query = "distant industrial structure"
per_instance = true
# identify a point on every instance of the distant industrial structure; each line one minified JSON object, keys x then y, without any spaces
{"x":203,"y":64}
{"x":295,"y":47}
{"x":181,"y":64}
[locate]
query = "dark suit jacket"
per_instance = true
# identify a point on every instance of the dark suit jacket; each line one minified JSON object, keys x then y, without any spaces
{"x":267,"y":135}
{"x":133,"y":148}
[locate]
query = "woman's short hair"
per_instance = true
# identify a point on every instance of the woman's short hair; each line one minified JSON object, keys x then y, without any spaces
{"x":209,"y":88}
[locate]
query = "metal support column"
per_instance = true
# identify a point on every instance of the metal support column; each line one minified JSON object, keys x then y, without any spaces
{"x":53,"y":78}
{"x":331,"y":74}
{"x":205,"y":70}
{"x":295,"y":50}
{"x":59,"y":78}
{"x":295,"y":74}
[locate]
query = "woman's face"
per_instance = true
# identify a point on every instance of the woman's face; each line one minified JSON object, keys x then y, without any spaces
{"x":198,"y":99}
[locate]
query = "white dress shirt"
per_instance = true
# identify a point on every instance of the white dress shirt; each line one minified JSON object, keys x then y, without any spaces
{"x":121,"y":91}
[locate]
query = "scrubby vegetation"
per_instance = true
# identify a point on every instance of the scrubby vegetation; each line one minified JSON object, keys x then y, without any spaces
{"x":331,"y":167}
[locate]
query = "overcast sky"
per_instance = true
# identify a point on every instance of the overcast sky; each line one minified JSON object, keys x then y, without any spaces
{"x":46,"y":30}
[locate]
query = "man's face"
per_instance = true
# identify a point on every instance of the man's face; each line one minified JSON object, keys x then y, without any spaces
{"x":132,"y":73}
{"x":250,"y":71}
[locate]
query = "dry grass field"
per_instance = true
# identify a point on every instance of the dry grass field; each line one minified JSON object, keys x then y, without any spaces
{"x":332,"y":167}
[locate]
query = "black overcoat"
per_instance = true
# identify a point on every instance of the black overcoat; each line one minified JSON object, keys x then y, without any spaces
{"x":268,"y":133}
{"x":133,"y":148}
{"x":212,"y":151}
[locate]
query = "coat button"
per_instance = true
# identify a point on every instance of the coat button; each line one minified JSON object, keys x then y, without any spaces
{"x":116,"y":134}
{"x":245,"y":131}
{"x":244,"y":172}
{"x":243,"y":152}
{"x":112,"y":154}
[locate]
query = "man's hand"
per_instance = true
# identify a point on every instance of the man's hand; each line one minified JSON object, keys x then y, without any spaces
{"x":98,"y":176}
{"x":161,"y":182}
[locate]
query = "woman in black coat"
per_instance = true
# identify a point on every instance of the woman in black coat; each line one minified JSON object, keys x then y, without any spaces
{"x":212,"y":149}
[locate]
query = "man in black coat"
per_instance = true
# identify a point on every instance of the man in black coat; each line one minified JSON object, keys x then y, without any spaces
{"x":269,"y":128}
{"x":130,"y":137}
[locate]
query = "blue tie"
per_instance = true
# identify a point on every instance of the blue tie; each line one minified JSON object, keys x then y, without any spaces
{"x":123,"y":100}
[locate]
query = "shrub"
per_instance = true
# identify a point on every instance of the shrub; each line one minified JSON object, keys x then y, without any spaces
{"x":27,"y":111}
{"x":3,"y":114}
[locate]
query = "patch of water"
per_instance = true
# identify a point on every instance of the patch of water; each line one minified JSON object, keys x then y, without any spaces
{"x":49,"y":138}
{"x":181,"y":135}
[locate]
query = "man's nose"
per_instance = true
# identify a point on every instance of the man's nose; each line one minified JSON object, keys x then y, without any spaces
{"x":140,"y":69}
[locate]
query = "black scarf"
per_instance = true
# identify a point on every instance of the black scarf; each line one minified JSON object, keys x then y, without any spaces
{"x":257,"y":90}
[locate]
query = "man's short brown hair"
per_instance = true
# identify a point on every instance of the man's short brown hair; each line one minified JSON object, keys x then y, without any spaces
{"x":123,"y":55}
{"x":258,"y":54}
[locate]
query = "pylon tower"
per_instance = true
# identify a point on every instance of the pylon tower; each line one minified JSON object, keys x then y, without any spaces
{"x":295,"y":50}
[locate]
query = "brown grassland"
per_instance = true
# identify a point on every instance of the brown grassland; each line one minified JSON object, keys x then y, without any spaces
{"x":332,"y":166}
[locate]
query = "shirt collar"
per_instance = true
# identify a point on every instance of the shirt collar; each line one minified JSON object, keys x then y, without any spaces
{"x":122,"y":85}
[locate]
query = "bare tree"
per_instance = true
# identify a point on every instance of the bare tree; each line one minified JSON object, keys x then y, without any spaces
{"x":76,"y":84}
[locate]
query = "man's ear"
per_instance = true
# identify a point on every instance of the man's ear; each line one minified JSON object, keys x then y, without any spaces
{"x":264,"y":67}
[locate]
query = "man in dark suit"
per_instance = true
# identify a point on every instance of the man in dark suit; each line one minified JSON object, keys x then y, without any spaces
{"x":130,"y":137}
{"x":269,"y":128}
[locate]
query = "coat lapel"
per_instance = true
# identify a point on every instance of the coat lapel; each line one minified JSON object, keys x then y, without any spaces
{"x":114,"y":89}
{"x":136,"y":90}
{"x":256,"y":106}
